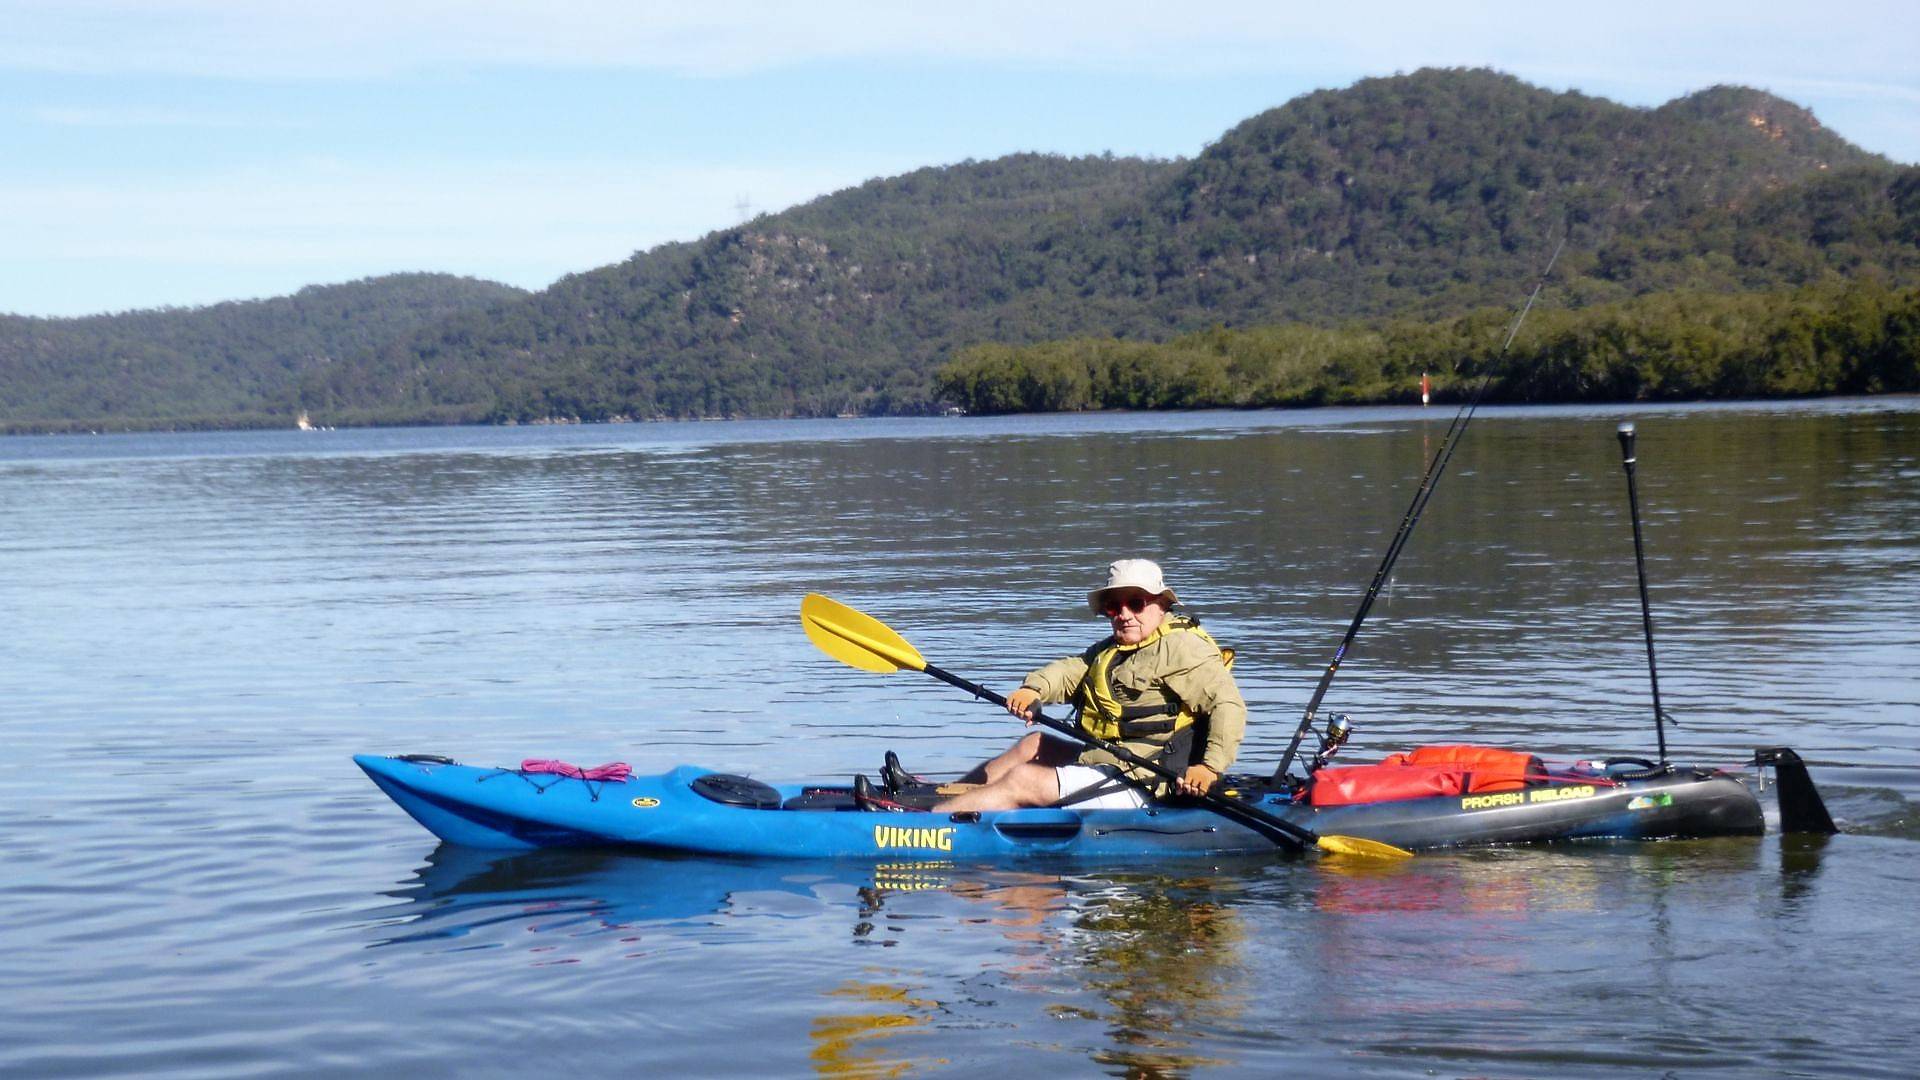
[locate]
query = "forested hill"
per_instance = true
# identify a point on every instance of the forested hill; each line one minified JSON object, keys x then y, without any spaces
{"x":225,"y":365}
{"x":841,"y":304}
{"x":1421,"y":196}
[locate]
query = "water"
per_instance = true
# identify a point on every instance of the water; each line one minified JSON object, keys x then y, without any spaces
{"x":197,"y":631}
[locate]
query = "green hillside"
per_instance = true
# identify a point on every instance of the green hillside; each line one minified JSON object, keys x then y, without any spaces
{"x":226,"y":365}
{"x":1421,"y":197}
{"x":834,"y":306}
{"x":1425,"y":195}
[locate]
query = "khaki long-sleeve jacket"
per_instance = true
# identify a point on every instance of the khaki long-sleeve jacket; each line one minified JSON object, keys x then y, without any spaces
{"x":1177,"y":667}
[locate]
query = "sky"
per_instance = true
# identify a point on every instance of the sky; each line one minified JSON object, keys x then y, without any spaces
{"x":185,"y":152}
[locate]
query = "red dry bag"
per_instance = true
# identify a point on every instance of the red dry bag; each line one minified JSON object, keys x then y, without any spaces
{"x":1385,"y":783}
{"x":1492,"y":770}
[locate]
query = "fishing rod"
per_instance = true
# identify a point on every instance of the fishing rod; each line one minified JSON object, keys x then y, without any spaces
{"x":1428,"y":482}
{"x":1660,"y":717}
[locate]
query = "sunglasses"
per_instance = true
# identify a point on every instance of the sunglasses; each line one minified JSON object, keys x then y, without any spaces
{"x":1135,"y":604}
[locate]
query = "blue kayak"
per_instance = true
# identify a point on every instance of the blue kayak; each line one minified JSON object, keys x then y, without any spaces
{"x":696,"y":811}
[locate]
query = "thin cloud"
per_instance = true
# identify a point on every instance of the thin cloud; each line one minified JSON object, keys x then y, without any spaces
{"x":558,"y":217}
{"x":85,"y":116}
{"x":358,"y":38}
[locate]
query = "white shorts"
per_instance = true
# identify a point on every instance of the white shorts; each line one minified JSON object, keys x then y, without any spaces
{"x":1077,"y":778}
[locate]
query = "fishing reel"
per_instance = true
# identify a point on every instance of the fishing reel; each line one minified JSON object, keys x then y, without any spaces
{"x":1339,"y":730}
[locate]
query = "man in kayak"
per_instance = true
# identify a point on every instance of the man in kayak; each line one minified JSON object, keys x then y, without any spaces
{"x":1159,"y":686}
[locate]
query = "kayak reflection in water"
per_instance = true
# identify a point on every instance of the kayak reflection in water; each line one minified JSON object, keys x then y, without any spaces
{"x":1159,"y":686}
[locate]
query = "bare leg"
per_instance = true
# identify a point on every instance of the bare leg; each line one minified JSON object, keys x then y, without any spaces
{"x":1022,"y":776}
{"x":993,"y":769}
{"x":1035,"y":746}
{"x":1027,"y":784}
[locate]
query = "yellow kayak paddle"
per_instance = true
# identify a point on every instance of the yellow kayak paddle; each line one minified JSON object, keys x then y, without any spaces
{"x":859,"y":640}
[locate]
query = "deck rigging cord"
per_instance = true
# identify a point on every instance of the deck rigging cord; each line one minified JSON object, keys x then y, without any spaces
{"x":1428,"y":482}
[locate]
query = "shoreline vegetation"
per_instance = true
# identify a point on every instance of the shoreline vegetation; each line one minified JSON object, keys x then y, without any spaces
{"x":1819,"y":341}
{"x":1835,"y":339}
{"x":1832,"y":339}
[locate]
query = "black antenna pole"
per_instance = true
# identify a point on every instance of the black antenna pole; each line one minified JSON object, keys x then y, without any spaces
{"x":1420,"y":497}
{"x":1660,"y":717}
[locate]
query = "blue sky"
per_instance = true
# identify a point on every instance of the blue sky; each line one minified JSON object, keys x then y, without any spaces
{"x":183,"y":152}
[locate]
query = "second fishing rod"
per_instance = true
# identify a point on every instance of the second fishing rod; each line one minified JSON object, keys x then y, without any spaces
{"x":1415,"y":508}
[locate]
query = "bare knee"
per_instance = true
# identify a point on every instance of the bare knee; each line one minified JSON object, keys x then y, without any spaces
{"x":996,"y":769}
{"x":1026,"y":784}
{"x":1028,"y":748}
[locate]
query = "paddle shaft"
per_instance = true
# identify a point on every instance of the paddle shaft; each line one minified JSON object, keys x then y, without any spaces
{"x":1274,"y":828}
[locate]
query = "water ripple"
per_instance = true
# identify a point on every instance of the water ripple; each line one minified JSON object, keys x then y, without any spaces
{"x":201,"y":629}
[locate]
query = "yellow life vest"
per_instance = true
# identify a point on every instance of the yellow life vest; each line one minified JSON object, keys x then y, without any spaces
{"x":1101,"y":713}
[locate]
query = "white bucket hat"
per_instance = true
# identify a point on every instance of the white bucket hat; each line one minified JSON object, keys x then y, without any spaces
{"x":1142,"y":574}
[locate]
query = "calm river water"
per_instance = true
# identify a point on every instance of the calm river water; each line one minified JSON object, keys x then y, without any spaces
{"x":197,"y":631}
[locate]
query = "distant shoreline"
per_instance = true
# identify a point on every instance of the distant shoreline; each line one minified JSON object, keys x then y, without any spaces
{"x":1438,"y":407}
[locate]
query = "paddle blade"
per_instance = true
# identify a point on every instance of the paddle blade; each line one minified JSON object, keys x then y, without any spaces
{"x":855,"y":638}
{"x":1362,"y":847}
